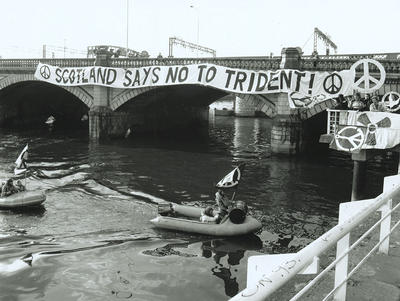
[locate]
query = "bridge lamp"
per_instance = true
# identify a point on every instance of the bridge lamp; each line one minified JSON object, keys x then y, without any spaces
{"x":198,"y":23}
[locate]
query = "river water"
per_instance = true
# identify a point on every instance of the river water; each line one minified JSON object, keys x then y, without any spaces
{"x":92,"y":240}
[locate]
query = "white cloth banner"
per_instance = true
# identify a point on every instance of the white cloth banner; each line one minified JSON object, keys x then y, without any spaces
{"x":366,"y":130}
{"x":296,"y":83}
{"x":325,"y":86}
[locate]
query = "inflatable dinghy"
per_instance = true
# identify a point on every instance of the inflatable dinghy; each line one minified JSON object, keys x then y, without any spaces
{"x":231,"y":226}
{"x":22,"y":199}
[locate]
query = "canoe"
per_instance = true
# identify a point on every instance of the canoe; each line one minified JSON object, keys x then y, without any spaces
{"x":226,"y":228}
{"x":22,"y":199}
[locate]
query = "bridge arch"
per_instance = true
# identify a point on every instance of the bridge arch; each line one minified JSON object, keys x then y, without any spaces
{"x":120,"y":98}
{"x":318,"y":108}
{"x":261,"y":102}
{"x":78,"y":91}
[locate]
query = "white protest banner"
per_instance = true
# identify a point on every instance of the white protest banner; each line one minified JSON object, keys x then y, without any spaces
{"x":329,"y":85}
{"x":307,"y":83}
{"x":366,"y":130}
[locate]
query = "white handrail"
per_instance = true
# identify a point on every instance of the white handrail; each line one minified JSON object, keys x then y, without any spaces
{"x":360,"y":263}
{"x":285,"y":271}
{"x":333,"y":263}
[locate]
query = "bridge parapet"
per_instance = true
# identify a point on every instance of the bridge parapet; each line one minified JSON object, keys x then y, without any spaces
{"x":343,"y":62}
{"x":29,"y":65}
{"x":255,"y":63}
{"x":311,"y":63}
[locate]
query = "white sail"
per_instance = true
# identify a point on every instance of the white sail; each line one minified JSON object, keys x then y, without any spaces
{"x":231,"y":179}
{"x":20,"y":163}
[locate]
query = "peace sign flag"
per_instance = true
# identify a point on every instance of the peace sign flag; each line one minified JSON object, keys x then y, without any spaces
{"x":325,"y":85}
{"x":367,"y":130}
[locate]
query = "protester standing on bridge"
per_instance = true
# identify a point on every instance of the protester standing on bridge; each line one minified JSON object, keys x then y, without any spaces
{"x":358,"y":104}
{"x":376,"y":106}
{"x":368,"y":101}
{"x":349,"y":100}
{"x":341,"y":103}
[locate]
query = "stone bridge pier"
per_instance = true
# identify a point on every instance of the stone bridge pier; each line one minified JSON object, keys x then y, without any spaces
{"x":287,"y":127}
{"x":102,"y":119}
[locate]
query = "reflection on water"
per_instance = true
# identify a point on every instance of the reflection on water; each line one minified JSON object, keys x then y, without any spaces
{"x":92,"y":240}
{"x":234,"y":250}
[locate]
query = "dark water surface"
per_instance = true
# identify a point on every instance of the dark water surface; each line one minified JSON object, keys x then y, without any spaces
{"x":92,"y":239}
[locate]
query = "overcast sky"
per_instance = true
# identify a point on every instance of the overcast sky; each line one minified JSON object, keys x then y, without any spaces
{"x":231,"y":27}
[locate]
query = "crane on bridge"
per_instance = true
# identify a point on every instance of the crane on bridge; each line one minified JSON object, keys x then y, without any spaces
{"x":176,"y":41}
{"x":318,"y":34}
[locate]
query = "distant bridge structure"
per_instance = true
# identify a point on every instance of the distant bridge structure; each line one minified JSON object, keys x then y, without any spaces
{"x":176,"y":41}
{"x":112,"y":111}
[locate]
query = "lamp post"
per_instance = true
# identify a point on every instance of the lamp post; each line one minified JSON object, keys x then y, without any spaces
{"x":198,"y":24}
{"x":127,"y":26}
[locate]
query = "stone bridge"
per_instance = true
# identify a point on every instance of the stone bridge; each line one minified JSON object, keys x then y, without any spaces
{"x":25,"y":100}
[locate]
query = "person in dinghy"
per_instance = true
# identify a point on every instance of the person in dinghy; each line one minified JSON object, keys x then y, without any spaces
{"x":224,"y":204}
{"x":8,"y":188}
{"x":209,"y":215}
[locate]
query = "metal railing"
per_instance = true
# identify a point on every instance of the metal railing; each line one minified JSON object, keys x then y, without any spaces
{"x":351,"y":215}
{"x":331,"y":64}
{"x":328,"y":63}
{"x":333,"y":120}
{"x":30,"y":65}
{"x":254,"y":63}
{"x":355,"y":57}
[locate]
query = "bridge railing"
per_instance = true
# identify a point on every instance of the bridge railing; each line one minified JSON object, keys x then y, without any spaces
{"x":356,"y":56}
{"x":327,"y":63}
{"x":256,"y":63}
{"x":333,"y":120}
{"x":330,"y":63}
{"x":31,"y":64}
{"x":351,"y":215}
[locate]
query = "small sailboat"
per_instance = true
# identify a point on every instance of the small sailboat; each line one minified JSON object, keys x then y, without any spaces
{"x":22,"y":198}
{"x":20,"y":163}
{"x":50,"y":120}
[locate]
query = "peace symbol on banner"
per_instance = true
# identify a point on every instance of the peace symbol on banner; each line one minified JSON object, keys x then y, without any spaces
{"x":391,"y":101}
{"x":333,"y":83}
{"x":370,"y":83}
{"x":349,"y":138}
{"x":45,"y":72}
